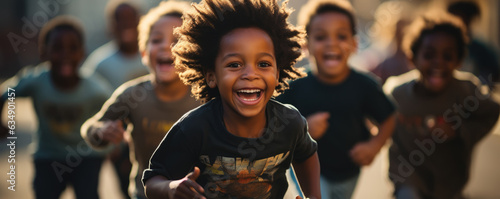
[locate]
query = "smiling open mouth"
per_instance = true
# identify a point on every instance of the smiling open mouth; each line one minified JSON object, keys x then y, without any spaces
{"x":249,"y":95}
{"x":332,"y":56}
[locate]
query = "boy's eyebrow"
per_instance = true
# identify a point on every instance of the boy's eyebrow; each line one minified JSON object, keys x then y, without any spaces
{"x":239,"y":55}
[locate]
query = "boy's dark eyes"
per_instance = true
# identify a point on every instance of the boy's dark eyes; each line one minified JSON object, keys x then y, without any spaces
{"x":233,"y":65}
{"x":428,"y":55}
{"x":342,"y":37}
{"x":156,"y":41}
{"x":319,"y":37}
{"x":264,"y":64}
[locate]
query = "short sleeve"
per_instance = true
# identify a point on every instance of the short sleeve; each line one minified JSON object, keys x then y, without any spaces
{"x":305,"y":146}
{"x":175,"y":157}
{"x":376,"y":104}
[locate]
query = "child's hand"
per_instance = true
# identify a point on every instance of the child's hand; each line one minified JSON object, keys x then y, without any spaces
{"x":442,"y":127}
{"x":318,"y":123}
{"x":187,"y":186}
{"x":363,"y":153}
{"x":112,"y":131}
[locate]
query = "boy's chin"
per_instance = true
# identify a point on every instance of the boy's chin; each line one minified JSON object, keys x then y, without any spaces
{"x":435,"y":89}
{"x":166,"y":79}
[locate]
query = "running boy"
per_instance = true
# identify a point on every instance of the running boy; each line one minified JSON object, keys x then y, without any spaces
{"x":442,"y":113}
{"x":237,"y":55}
{"x":336,"y":100}
{"x":151,"y":104}
{"x":62,"y":101}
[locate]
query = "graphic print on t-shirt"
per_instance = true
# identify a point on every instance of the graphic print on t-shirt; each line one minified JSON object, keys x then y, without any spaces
{"x":239,"y":177}
{"x":62,"y":118}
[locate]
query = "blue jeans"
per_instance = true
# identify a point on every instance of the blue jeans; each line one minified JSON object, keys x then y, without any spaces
{"x":49,"y":183}
{"x":338,"y":190}
{"x":406,"y":192}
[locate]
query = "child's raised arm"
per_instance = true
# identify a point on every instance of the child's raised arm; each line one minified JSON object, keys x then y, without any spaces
{"x":160,"y":187}
{"x":308,"y":176}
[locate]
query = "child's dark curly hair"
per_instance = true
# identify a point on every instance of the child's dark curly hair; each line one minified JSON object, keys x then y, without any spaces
{"x":433,"y":23}
{"x":205,"y":25}
{"x":314,"y":8}
{"x":59,"y":23}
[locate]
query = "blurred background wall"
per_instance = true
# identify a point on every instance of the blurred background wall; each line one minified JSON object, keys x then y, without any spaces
{"x":21,"y":20}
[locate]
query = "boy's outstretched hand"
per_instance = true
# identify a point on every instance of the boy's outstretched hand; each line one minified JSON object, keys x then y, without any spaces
{"x":112,"y":131}
{"x":363,"y":153}
{"x":318,"y":123}
{"x":187,"y":186}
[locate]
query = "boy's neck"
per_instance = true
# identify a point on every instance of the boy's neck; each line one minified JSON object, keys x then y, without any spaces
{"x":243,"y":126}
{"x":63,"y":83}
{"x":334,"y":80}
{"x":171,"y":91}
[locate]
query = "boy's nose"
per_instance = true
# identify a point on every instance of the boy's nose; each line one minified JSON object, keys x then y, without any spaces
{"x":250,"y":72}
{"x":331,"y":41}
{"x":166,"y":44}
{"x":439,"y":61}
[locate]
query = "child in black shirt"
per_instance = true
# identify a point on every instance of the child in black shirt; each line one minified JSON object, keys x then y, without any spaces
{"x":236,"y":55}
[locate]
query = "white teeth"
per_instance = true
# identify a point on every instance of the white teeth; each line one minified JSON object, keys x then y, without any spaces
{"x":249,"y":91}
{"x":249,"y":100}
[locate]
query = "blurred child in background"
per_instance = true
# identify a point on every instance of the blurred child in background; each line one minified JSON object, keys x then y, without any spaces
{"x":336,"y":99}
{"x":482,"y":59}
{"x":149,"y":105}
{"x":62,"y":101}
{"x":443,"y":113}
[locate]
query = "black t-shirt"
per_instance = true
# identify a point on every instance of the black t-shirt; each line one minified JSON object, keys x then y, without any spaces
{"x":349,"y":103}
{"x":232,"y":166}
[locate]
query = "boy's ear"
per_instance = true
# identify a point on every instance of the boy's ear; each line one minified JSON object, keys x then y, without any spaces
{"x":305,"y":48}
{"x":278,"y":77}
{"x":211,"y":80}
{"x":355,"y":43}
{"x":144,"y":59}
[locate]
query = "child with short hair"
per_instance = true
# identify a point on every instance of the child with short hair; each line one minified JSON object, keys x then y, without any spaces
{"x":62,"y":101}
{"x":119,"y":60}
{"x":148,"y":105}
{"x":337,"y":100}
{"x":442,"y":113}
{"x":236,"y":55}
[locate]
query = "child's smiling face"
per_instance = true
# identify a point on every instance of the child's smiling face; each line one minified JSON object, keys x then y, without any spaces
{"x":64,"y":51}
{"x":158,"y":55}
{"x":436,"y":59}
{"x":246,"y":73}
{"x":330,"y":43}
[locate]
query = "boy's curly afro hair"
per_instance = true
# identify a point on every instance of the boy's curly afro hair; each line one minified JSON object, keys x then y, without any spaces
{"x":431,"y":23}
{"x":205,"y":25}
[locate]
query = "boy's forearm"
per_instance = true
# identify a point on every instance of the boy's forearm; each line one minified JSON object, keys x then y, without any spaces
{"x":157,"y":187}
{"x":385,"y":131}
{"x":308,"y":173}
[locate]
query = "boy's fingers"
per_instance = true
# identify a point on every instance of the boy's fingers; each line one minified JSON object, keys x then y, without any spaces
{"x":298,"y":197}
{"x":195,"y":174}
{"x":192,"y":180}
